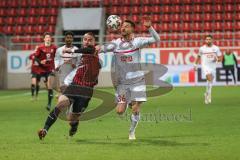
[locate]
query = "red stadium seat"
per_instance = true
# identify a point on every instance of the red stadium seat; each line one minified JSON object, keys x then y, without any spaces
{"x":218,"y":17}
{"x":16,"y":39}
{"x":34,"y":3}
{"x":115,"y":2}
{"x":208,"y":17}
{"x":52,"y":20}
{"x":237,"y":17}
{"x":9,"y":20}
{"x":135,"y":10}
{"x":237,"y":26}
{"x":197,"y":17}
{"x":228,"y":8}
{"x":186,"y":27}
{"x":207,"y":26}
{"x":186,"y":1}
{"x":20,"y":20}
{"x":42,"y":20}
{"x":187,"y":8}
{"x":38,"y":38}
{"x":136,"y":2}
{"x":175,"y":9}
{"x":230,"y":1}
{"x":218,"y":8}
{"x":175,"y":17}
{"x":146,"y":2}
{"x":156,"y":18}
{"x":2,"y":12}
{"x":8,"y":30}
{"x":186,"y":17}
{"x":113,"y":10}
{"x":165,"y":9}
{"x":164,"y":27}
{"x":176,"y":2}
{"x":126,"y":3}
{"x":165,"y":18}
{"x":33,"y":11}
{"x":136,"y":18}
{"x":198,"y":1}
{"x":3,"y":4}
{"x":22,"y":12}
{"x":125,"y":10}
{"x":197,"y":8}
{"x":51,"y":29}
{"x":174,"y":36}
{"x":31,"y":20}
{"x":228,"y":26}
{"x":12,"y":4}
{"x":44,"y":3}
{"x":218,"y":26}
{"x":175,"y":27}
{"x":197,"y":26}
{"x":29,"y":29}
{"x":39,"y":29}
{"x":54,"y":3}
{"x":27,"y":47}
{"x":19,"y":30}
{"x":43,"y":11}
{"x":156,"y":9}
{"x":208,"y":8}
{"x":12,"y":12}
{"x":53,"y":11}
{"x":228,"y":17}
{"x":166,"y":2}
{"x":146,"y":9}
{"x":1,"y":21}
{"x":218,"y":35}
{"x":228,"y":35}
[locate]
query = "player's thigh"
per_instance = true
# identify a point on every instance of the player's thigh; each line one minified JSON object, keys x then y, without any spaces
{"x":136,"y":106}
{"x":50,"y":81}
{"x":209,"y":77}
{"x":121,"y":107}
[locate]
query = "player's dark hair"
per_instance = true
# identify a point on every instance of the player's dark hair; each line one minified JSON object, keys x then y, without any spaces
{"x":46,"y":33}
{"x":130,"y":22}
{"x":209,"y":36}
{"x":91,"y":34}
{"x":69,"y":33}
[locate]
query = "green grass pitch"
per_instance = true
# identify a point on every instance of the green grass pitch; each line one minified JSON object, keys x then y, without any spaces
{"x":184,"y":128}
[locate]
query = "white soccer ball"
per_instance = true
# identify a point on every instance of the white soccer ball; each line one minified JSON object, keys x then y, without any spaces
{"x":114,"y":22}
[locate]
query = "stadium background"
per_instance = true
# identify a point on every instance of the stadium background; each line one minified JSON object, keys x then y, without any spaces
{"x":181,"y":24}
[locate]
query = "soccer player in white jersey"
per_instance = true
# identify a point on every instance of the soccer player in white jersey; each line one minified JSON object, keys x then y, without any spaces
{"x":209,"y":54}
{"x":129,"y":78}
{"x":65,"y":62}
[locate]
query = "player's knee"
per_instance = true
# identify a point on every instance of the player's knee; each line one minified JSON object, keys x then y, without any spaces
{"x":120,"y":109}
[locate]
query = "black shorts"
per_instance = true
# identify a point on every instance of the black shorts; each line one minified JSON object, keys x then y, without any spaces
{"x":46,"y":75}
{"x":79,"y":97}
{"x":37,"y":76}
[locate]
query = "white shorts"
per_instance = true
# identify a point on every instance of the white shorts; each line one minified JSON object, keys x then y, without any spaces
{"x":209,"y":70}
{"x":128,"y":93}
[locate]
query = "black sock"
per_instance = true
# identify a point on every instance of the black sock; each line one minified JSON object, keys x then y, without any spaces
{"x":50,"y":96}
{"x":52,"y":117}
{"x":32,"y":89}
{"x":74,"y":124}
{"x":37,"y":89}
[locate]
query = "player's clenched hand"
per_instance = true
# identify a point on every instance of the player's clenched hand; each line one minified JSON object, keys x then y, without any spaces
{"x":43,"y":61}
{"x":97,"y":48}
{"x":147,"y":21}
{"x":195,"y":67}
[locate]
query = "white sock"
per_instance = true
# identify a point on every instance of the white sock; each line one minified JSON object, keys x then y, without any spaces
{"x":209,"y":87}
{"x":134,"y":121}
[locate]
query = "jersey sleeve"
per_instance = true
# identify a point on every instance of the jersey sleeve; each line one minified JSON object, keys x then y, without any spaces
{"x":109,"y":47}
{"x":57,"y":59}
{"x":218,"y":52}
{"x":145,"y":41}
{"x":200,"y":52}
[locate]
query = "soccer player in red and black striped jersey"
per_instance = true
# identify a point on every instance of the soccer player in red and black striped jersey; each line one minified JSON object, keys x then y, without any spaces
{"x":80,"y":84}
{"x":35,"y":71}
{"x":45,"y":55}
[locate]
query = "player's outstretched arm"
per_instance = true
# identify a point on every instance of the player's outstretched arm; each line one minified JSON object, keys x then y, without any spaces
{"x":85,"y":50}
{"x":197,"y":62}
{"x":144,"y":41}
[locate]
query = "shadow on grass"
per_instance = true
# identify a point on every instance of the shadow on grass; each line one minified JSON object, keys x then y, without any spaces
{"x":154,"y":141}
